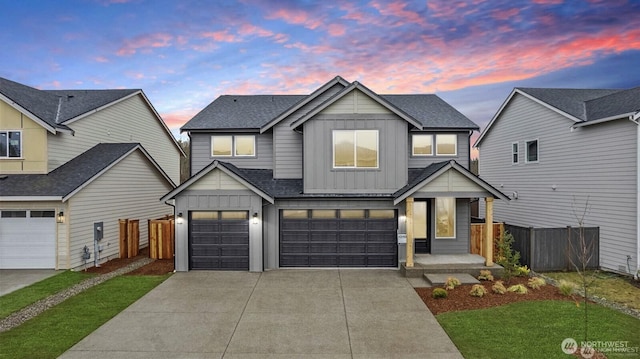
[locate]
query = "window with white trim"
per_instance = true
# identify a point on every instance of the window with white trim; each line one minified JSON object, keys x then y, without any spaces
{"x":233,"y":146}
{"x":446,"y":145}
{"x":514,"y":153}
{"x":445,"y":217}
{"x":532,"y":151}
{"x":355,"y":148}
{"x":10,"y":144}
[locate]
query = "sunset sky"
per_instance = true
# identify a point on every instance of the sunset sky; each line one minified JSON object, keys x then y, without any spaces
{"x":184,"y":54}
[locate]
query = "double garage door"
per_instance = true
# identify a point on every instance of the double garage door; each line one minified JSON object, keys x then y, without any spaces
{"x":219,"y":240}
{"x":338,"y":238}
{"x":27,"y":239}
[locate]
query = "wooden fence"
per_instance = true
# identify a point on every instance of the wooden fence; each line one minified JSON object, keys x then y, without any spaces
{"x":478,"y":236}
{"x":548,"y":249}
{"x":161,"y":238}
{"x":129,"y":237}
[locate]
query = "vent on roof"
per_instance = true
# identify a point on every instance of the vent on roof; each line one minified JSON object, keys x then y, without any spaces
{"x":69,"y":97}
{"x":3,"y":177}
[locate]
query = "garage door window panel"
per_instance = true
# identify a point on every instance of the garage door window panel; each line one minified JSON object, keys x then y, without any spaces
{"x":42,"y":214}
{"x":14,"y":214}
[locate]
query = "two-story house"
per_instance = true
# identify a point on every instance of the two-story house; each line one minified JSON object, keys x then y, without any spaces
{"x":570,"y":155}
{"x":74,"y":162}
{"x":328,"y":179}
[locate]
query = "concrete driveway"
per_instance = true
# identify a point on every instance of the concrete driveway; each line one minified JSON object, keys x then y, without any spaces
{"x":277,"y":314}
{"x":14,"y":279}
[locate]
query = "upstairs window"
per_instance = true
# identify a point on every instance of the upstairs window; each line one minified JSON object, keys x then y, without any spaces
{"x":233,"y":146}
{"x":10,"y":144}
{"x":514,"y":153}
{"x":355,"y":149}
{"x":422,"y":145}
{"x":446,"y":145}
{"x":532,"y":151}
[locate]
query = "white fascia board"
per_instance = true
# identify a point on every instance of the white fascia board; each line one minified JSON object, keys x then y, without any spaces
{"x":601,"y":120}
{"x":26,"y":112}
{"x":29,"y":198}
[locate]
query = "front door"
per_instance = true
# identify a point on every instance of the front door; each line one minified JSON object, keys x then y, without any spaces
{"x":422,"y":240}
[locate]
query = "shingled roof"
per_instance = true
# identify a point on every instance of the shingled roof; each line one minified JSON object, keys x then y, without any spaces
{"x":255,"y":111}
{"x":588,"y":104}
{"x":55,"y":107}
{"x":67,"y":178}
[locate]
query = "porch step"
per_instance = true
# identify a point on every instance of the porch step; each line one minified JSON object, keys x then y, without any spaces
{"x":438,"y":279}
{"x":418,"y":270}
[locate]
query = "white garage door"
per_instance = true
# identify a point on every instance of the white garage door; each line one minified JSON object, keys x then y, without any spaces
{"x":27,"y":239}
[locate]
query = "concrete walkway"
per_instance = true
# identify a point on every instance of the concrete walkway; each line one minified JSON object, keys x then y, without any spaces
{"x":277,"y":314}
{"x":14,"y":279}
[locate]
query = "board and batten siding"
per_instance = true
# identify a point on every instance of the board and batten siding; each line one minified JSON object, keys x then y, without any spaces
{"x":34,"y":143}
{"x":201,"y":152}
{"x":594,"y":164}
{"x":462,"y":156}
{"x":129,"y":190}
{"x":128,"y":121}
{"x":287,"y":143}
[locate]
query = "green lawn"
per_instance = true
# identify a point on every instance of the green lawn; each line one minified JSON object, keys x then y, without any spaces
{"x":23,"y":297}
{"x":53,"y":332}
{"x":605,"y":285}
{"x":535,"y":329}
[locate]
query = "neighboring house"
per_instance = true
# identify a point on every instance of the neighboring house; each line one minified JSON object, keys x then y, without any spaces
{"x":72,"y":158}
{"x":559,"y":151}
{"x":324,"y":180}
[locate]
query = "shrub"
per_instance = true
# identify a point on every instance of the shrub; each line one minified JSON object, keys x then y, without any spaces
{"x":499,"y":288}
{"x":566,"y":288}
{"x":485,"y":275}
{"x":451,"y":283}
{"x":478,"y":290}
{"x":507,"y":257}
{"x":439,"y":293}
{"x":536,"y":282}
{"x":523,"y":271}
{"x":518,"y":288}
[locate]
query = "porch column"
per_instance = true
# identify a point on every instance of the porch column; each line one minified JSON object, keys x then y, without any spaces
{"x":409,"y":225}
{"x":488,"y":224}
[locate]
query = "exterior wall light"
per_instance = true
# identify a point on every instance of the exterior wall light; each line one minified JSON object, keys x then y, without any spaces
{"x":180,"y":219}
{"x":60,"y":217}
{"x":255,"y":218}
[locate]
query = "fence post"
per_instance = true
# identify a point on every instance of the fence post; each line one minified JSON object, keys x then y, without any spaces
{"x":532,"y":237}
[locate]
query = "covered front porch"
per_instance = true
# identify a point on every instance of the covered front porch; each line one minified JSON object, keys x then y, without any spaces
{"x":450,"y":232}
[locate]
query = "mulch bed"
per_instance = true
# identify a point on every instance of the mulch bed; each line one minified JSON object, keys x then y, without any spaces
{"x":157,"y":267}
{"x":459,"y":298}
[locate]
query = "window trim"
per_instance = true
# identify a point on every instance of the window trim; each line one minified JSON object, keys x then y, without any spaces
{"x":455,"y":219}
{"x":413,"y":147}
{"x":233,"y":151}
{"x":516,"y":153}
{"x":235,"y":146}
{"x":526,"y":150}
{"x":355,"y":152}
{"x":455,"y":145}
{"x":8,"y":157}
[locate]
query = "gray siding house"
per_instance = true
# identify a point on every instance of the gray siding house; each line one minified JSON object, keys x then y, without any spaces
{"x":73,"y":158}
{"x":324,"y":180}
{"x":559,"y":151}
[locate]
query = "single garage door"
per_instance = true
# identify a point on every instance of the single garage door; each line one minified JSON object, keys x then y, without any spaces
{"x":219,"y":240}
{"x":338,"y":238}
{"x":27,"y":239}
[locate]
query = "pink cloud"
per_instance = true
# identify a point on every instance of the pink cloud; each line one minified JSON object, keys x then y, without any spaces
{"x":296,"y":17}
{"x":397,"y":9}
{"x":101,"y":59}
{"x":248,"y":29}
{"x":505,"y":14}
{"x":337,"y":29}
{"x":147,"y":41}
{"x":548,"y":2}
{"x":220,"y":36}
{"x":176,"y":119}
